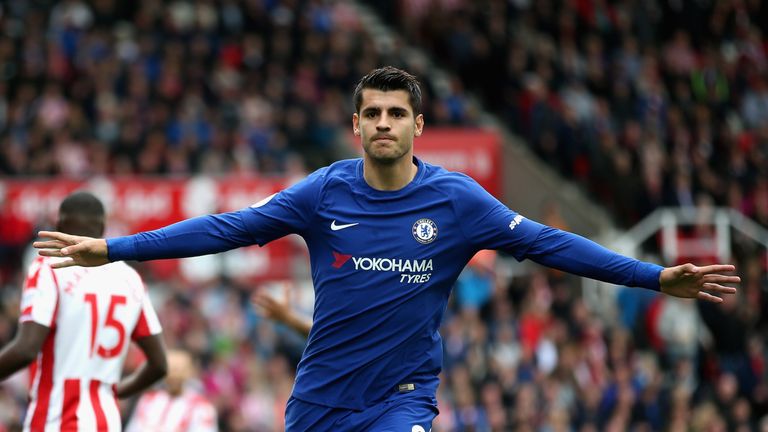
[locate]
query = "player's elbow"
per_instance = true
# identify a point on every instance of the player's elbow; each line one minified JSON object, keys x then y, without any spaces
{"x":156,"y":366}
{"x":27,"y":355}
{"x":28,"y":342}
{"x":158,"y":369}
{"x":25,"y":351}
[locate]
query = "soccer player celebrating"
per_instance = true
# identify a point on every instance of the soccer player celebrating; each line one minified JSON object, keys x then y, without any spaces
{"x":75,"y":329}
{"x":388,"y":235}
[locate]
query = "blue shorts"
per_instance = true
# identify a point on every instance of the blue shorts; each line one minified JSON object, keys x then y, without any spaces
{"x":401,"y":412}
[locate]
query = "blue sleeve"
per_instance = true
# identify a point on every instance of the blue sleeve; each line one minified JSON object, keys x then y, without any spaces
{"x":575,"y":254}
{"x":193,"y":237}
{"x":486,"y":223}
{"x":489,"y":224}
{"x":288,"y":212}
{"x":291,"y":211}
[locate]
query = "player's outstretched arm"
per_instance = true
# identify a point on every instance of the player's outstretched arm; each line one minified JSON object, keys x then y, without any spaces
{"x":152,"y":370}
{"x":575,"y":254}
{"x":703,"y":283}
{"x":202,"y":235}
{"x":82,"y":251}
{"x":23,"y":349}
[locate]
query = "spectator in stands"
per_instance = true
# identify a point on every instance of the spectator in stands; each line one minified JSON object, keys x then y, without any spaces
{"x":178,"y":407}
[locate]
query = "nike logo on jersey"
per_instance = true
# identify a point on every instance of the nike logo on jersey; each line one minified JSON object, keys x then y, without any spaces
{"x":341,"y":227}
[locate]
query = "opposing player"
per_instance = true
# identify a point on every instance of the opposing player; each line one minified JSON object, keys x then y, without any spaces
{"x":388,"y":235}
{"x":75,"y":328}
{"x":177,"y":407}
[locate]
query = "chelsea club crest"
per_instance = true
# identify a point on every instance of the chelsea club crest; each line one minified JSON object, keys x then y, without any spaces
{"x":424,"y":231}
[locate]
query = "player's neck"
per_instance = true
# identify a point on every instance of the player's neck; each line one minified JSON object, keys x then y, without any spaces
{"x":175,"y":392}
{"x":389,"y":177}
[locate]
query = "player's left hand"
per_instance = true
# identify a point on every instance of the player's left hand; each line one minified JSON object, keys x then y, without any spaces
{"x":703,"y":283}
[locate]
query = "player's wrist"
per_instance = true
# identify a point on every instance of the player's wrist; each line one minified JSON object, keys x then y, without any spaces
{"x":118,"y":248}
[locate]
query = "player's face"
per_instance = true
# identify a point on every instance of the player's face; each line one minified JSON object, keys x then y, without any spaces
{"x":180,"y":369}
{"x":386,"y":125}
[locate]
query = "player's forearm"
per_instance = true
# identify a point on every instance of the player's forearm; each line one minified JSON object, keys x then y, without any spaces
{"x":578,"y":255}
{"x":193,"y":237}
{"x":142,"y":378}
{"x":150,"y":371}
{"x":23,"y":349}
{"x":298,"y":324}
{"x":14,"y":358}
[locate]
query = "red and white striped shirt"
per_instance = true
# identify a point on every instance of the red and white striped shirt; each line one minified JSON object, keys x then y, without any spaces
{"x":158,"y":411}
{"x":91,"y":313}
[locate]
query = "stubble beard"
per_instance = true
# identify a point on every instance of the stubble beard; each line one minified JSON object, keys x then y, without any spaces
{"x":389,"y":156}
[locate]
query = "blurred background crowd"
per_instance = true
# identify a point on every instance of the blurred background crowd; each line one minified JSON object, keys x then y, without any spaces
{"x":641,"y":103}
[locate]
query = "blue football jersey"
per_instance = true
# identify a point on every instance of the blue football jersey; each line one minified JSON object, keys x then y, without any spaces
{"x":383,"y":264}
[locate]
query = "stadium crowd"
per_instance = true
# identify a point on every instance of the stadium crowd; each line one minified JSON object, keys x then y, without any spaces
{"x":644,"y":103}
{"x":633,"y":100}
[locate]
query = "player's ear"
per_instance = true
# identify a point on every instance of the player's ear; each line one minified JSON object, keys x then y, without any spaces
{"x":419,"y":125}
{"x":356,"y":124}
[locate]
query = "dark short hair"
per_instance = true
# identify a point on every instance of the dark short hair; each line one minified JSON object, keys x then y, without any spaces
{"x":81,"y":213}
{"x":389,"y":78}
{"x":82,"y":203}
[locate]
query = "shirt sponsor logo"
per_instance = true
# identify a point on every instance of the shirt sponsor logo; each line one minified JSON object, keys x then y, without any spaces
{"x":339,"y":259}
{"x":411,"y":270}
{"x":392,"y":264}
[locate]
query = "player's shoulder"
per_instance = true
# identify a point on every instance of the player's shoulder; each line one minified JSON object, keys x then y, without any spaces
{"x":448,"y":180}
{"x":35,"y":267}
{"x":340,"y":172}
{"x":121,"y":270}
{"x":119,"y":266}
{"x":41,"y":263}
{"x":345,"y":170}
{"x":37,"y":263}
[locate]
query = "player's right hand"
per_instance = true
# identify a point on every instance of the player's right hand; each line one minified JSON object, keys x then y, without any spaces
{"x":81,"y":251}
{"x":271,"y":307}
